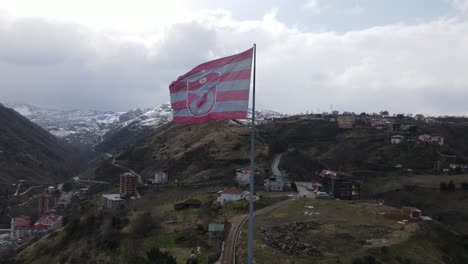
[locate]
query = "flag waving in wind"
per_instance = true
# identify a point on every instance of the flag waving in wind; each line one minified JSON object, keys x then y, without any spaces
{"x":214,"y":90}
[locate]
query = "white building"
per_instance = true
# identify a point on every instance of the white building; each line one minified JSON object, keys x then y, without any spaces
{"x":231,"y":194}
{"x":243,"y":177}
{"x":437,"y":140}
{"x":397,"y":139}
{"x":110,"y":201}
{"x":161,"y":177}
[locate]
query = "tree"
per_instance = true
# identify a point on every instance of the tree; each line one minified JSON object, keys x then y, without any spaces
{"x":143,"y":224}
{"x":464,"y":186}
{"x":443,"y":186}
{"x":294,"y":186}
{"x":156,"y":256}
{"x":451,"y":186}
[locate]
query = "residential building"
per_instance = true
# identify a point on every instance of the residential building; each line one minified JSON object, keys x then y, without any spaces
{"x":243,"y":177}
{"x":20,"y":226}
{"x":345,"y":121}
{"x":437,"y":140}
{"x":275,"y":184}
{"x":110,"y":201}
{"x":44,"y":202}
{"x":231,"y":194}
{"x":396,"y":127}
{"x":425,"y":138}
{"x":339,"y":185}
{"x":39,"y":230}
{"x":161,"y":177}
{"x":128,"y":183}
{"x":397,"y":139}
{"x":51,"y":221}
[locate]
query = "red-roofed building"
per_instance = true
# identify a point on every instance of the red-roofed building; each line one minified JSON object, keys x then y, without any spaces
{"x":231,"y":194}
{"x":39,"y":229}
{"x":20,"y":225}
{"x":52,"y":221}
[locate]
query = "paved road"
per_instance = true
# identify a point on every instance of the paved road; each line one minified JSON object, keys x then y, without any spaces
{"x":78,"y":180}
{"x":140,"y":181}
{"x":274,"y":166}
{"x":29,"y":189}
{"x":17,"y":189}
{"x":302,"y":190}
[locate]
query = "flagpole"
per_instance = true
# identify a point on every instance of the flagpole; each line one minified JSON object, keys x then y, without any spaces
{"x":252,"y":167}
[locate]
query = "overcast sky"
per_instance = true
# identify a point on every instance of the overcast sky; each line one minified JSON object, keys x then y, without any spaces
{"x":363,"y":55}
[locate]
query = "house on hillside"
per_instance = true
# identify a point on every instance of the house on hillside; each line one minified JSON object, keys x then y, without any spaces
{"x":426,"y":138}
{"x":161,"y":177}
{"x":397,"y":139}
{"x":51,"y":221}
{"x":275,"y":183}
{"x":243,"y":176}
{"x":345,"y":121}
{"x":339,"y":185}
{"x":231,"y":194}
{"x":111,"y":201}
{"x":437,"y":140}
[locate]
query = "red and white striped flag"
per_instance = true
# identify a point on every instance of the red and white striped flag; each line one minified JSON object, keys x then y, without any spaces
{"x":214,"y":90}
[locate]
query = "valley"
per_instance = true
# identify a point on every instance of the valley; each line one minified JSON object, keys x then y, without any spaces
{"x":179,"y":214}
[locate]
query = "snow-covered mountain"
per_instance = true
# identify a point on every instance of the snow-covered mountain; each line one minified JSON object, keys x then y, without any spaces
{"x":89,"y":126}
{"x":108,"y":131}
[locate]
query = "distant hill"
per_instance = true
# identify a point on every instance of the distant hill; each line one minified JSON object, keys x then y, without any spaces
{"x":197,"y":153}
{"x":29,"y":152}
{"x":365,"y":150}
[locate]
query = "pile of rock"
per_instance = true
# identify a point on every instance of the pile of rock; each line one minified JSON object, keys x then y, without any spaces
{"x":284,"y":238}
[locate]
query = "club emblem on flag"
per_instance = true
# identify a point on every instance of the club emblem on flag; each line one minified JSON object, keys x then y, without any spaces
{"x":201,"y":94}
{"x":214,"y":90}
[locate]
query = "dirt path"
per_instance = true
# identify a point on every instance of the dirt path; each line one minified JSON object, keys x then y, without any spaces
{"x":237,"y":225}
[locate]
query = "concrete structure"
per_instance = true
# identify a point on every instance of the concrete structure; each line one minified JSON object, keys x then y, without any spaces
{"x":128,"y":183}
{"x":110,"y":201}
{"x":216,"y":230}
{"x":339,"y":185}
{"x":275,"y":183}
{"x":231,"y":194}
{"x":345,"y":121}
{"x":397,"y":139}
{"x":20,"y":226}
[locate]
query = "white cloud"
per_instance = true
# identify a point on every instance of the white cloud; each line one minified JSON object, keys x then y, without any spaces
{"x":398,"y":67}
{"x":460,"y":5}
{"x":355,"y":10}
{"x":315,"y":6}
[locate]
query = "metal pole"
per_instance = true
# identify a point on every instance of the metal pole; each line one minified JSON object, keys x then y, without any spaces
{"x":252,"y":167}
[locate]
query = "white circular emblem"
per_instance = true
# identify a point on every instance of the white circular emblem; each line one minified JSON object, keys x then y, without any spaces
{"x":203,"y":80}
